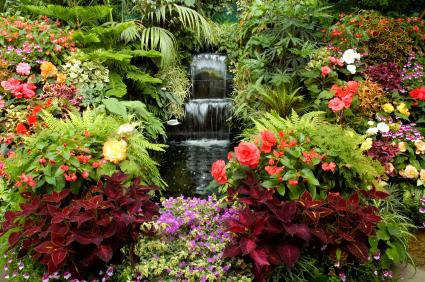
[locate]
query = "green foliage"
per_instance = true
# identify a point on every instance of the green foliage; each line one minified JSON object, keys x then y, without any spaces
{"x":88,"y":131}
{"x":159,"y":23}
{"x":260,"y":99}
{"x":356,"y":170}
{"x":75,"y":16}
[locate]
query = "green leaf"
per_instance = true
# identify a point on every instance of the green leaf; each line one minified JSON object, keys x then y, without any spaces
{"x":114,"y":106}
{"x":373,"y":242}
{"x":269,"y":184}
{"x":382,"y":234}
{"x":308,"y":174}
{"x":290,"y":174}
{"x":281,"y":189}
{"x":116,"y":87}
{"x":51,"y":180}
{"x":392,"y":253}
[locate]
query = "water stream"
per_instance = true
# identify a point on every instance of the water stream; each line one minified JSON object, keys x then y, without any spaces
{"x":204,"y":135}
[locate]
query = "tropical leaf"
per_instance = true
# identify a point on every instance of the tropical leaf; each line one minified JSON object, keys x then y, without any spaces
{"x":116,"y":87}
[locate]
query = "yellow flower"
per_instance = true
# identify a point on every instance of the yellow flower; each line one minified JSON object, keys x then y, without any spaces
{"x":48,"y":69}
{"x":367,"y":144}
{"x":402,"y":146}
{"x":394,"y":126}
{"x":115,"y":151}
{"x":410,"y":172}
{"x":388,"y":108}
{"x":422,"y":174}
{"x":420,"y":147}
{"x":61,"y":78}
{"x":403,"y":109}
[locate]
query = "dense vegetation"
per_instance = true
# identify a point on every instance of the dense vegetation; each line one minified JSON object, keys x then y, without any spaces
{"x":326,"y":182}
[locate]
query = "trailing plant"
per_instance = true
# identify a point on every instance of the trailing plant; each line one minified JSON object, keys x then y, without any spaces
{"x":80,"y":233}
{"x":188,"y":243}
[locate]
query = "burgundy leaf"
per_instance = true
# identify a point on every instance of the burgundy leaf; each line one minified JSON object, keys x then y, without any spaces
{"x":55,"y":197}
{"x":235,"y":226}
{"x":59,"y":256}
{"x":104,"y":252}
{"x":46,"y":247}
{"x":321,"y":234}
{"x":246,"y":217}
{"x":300,"y":230}
{"x":354,"y":200}
{"x":31,"y":231}
{"x":14,"y":238}
{"x":91,"y":204}
{"x":289,"y":254}
{"x":359,"y":249}
{"x":232,"y":251}
{"x":247,"y":245}
{"x":260,"y":257}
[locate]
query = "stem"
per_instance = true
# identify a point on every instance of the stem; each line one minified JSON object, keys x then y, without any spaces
{"x":111,"y":19}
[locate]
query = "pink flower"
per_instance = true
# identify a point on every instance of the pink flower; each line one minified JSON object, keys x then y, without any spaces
{"x":336,"y":105}
{"x":329,"y":166}
{"x":218,"y":171}
{"x":347,"y":99}
{"x":248,"y":154}
{"x":10,"y":84}
{"x":268,"y":141}
{"x":23,"y":68}
{"x":325,"y":70}
{"x":25,"y":90}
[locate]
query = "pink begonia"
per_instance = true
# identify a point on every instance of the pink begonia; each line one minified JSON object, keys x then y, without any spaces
{"x":23,"y":69}
{"x":336,"y":105}
{"x":10,"y":84}
{"x":325,"y":70}
{"x":2,"y":103}
{"x":25,"y":90}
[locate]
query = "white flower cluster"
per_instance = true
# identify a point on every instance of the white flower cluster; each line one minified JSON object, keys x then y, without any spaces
{"x":349,"y":57}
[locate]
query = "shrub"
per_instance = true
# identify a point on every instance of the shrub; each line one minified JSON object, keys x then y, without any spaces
{"x":80,"y":233}
{"x":388,"y":75}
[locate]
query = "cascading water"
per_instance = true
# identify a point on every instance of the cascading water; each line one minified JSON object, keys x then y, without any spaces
{"x":204,"y":130}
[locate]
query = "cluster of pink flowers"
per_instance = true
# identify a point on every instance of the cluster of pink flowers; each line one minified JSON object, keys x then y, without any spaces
{"x":343,"y":96}
{"x":19,"y":90}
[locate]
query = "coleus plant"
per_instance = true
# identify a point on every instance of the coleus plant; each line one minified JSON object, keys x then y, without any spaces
{"x":80,"y":234}
{"x":273,"y":232}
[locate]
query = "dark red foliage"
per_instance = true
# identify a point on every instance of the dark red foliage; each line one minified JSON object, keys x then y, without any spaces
{"x":388,"y":75}
{"x":383,"y":151}
{"x":273,"y":232}
{"x":81,"y":233}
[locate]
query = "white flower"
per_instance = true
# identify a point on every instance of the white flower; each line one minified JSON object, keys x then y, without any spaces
{"x":371,"y":123}
{"x":352,"y":69}
{"x":350,"y":56}
{"x":372,"y":131}
{"x":383,"y":127}
{"x":126,"y":128}
{"x":164,"y":88}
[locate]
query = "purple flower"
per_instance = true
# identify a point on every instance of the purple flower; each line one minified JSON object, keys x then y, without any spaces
{"x":342,"y":276}
{"x":26,"y":276}
{"x":67,"y":275}
{"x":388,"y":273}
{"x":377,"y":255}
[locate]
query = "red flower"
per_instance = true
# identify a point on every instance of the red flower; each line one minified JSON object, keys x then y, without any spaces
{"x":83,"y":159}
{"x":329,"y":166}
{"x":273,"y":169}
{"x":64,"y":167}
{"x":347,"y":99}
{"x":418,"y":93}
{"x":25,"y":90}
{"x":218,"y":171}
{"x":22,"y":129}
{"x":48,"y":103}
{"x":268,"y":140}
{"x":230,"y":156}
{"x":37,"y":109}
{"x":325,"y":70}
{"x":352,"y":87}
{"x":248,"y":154}
{"x":85,"y":174}
{"x":336,"y":105}
{"x":359,"y":35}
{"x":32,"y":120}
{"x":293,"y":182}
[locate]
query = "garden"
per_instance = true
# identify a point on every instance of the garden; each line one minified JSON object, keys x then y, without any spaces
{"x":219,"y":140}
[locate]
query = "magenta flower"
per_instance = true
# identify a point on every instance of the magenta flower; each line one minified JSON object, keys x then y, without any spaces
{"x":23,"y":68}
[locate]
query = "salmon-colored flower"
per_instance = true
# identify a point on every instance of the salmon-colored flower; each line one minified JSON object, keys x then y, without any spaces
{"x":48,"y":69}
{"x":268,"y":141}
{"x":218,"y":171}
{"x":248,"y":154}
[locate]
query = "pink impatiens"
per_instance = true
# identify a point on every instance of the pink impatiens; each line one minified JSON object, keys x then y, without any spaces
{"x":23,"y":69}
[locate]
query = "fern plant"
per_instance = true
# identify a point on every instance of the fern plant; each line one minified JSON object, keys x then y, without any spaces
{"x":356,"y":169}
{"x":61,"y":142}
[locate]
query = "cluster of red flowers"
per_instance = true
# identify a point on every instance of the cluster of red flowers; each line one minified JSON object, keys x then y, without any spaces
{"x":418,"y":93}
{"x":22,"y":129}
{"x":343,"y":96}
{"x":26,"y":179}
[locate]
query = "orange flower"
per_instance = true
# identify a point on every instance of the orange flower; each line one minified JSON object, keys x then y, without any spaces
{"x":48,"y":69}
{"x":61,"y":78}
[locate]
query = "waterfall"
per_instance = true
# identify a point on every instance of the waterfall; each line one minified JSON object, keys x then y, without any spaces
{"x":204,"y":129}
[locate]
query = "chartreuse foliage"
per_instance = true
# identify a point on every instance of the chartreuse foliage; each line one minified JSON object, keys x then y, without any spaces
{"x":342,"y":145}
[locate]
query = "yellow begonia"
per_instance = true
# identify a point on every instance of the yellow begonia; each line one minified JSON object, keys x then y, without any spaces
{"x":402,"y":146}
{"x":367,"y":144}
{"x":115,"y":151}
{"x":420,"y":147}
{"x":388,"y":108}
{"x":403,"y":109}
{"x":410,"y":172}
